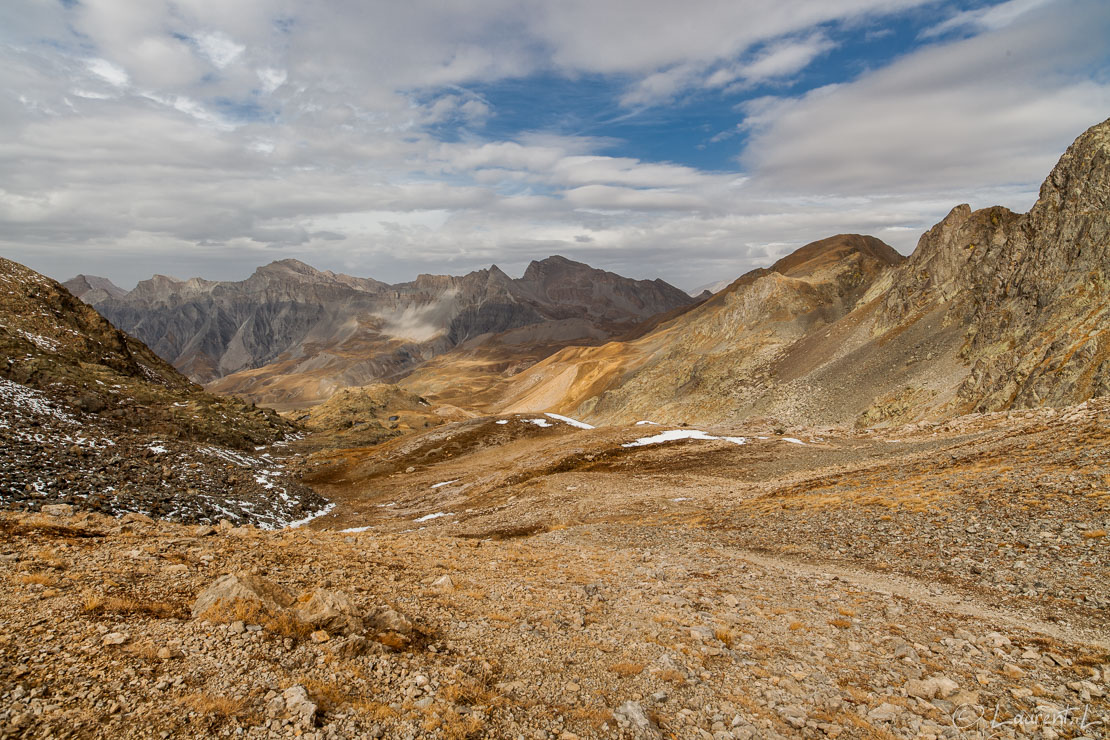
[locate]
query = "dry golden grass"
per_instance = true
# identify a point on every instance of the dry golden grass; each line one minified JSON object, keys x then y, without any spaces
{"x":471,"y":692}
{"x":375,"y":710}
{"x":1094,"y":534}
{"x":795,"y":626}
{"x":725,"y":635}
{"x":671,"y":676}
{"x":51,"y":559}
{"x":251,"y":611}
{"x":451,"y":724}
{"x":219,"y":706}
{"x":96,"y":604}
{"x":846,"y":612}
{"x":40,"y":579}
{"x":627,"y":669}
{"x":841,"y":622}
{"x":392,"y":640}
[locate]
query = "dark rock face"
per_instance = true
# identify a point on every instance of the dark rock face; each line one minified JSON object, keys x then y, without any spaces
{"x":352,"y":330}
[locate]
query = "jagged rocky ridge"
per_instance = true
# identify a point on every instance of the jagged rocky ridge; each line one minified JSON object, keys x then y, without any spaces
{"x":91,"y":417}
{"x":319,"y":331}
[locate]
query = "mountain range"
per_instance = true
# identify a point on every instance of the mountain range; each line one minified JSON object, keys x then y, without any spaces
{"x":292,"y":335}
{"x":993,"y":310}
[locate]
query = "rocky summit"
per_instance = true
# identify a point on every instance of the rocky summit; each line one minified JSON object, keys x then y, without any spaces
{"x":850,"y":495}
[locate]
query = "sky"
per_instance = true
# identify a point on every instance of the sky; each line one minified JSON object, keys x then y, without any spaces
{"x":691,"y":141}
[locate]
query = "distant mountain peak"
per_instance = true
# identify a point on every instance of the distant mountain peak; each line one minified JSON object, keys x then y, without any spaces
{"x":98,"y":288}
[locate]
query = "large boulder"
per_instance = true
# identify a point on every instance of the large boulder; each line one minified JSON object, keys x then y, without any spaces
{"x":243,"y":587}
{"x":331,"y":611}
{"x":387,"y":619}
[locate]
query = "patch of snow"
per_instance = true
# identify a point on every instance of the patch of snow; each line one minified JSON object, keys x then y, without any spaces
{"x":301,"y":522}
{"x":356,"y":530}
{"x":539,"y":422}
{"x":793,"y":441}
{"x":677,"y":434}
{"x":501,"y":421}
{"x":31,"y":400}
{"x":570,"y":421}
{"x":436,"y":515}
{"x":157,"y":449}
{"x":49,"y":345}
{"x":446,"y":483}
{"x":646,"y":423}
{"x":676,"y":500}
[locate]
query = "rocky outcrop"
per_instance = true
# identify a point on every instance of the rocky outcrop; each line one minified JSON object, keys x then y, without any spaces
{"x":312,"y":332}
{"x":1030,"y":290}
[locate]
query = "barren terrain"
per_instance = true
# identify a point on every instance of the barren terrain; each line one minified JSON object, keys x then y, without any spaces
{"x":806,"y":583}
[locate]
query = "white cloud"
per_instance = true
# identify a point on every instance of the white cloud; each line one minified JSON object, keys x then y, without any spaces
{"x":219,"y":48}
{"x":110,"y":73}
{"x":124,"y":154}
{"x":989,"y":18}
{"x":271,"y":78}
{"x":994,"y":109}
{"x":781,"y":59}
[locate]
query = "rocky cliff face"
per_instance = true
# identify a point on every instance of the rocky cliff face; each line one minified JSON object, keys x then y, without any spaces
{"x":291,"y":334}
{"x":1030,"y":290}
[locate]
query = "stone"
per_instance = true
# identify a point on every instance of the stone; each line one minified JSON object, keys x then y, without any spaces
{"x":298,"y":704}
{"x":330,"y":610}
{"x":59,"y":510}
{"x":1012,"y":671}
{"x":242,"y":586}
{"x":387,"y":619}
{"x":351,"y":646}
{"x":443,"y":584}
{"x":945,"y":686}
{"x":920,"y":689}
{"x":320,"y":636}
{"x":632,"y":714}
{"x":115,"y":638}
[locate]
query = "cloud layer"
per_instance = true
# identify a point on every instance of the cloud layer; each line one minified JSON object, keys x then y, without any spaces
{"x":202,"y":137}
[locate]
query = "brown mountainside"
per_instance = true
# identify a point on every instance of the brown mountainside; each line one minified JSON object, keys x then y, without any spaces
{"x":91,"y":417}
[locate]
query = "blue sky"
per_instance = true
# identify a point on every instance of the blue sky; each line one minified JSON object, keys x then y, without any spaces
{"x":691,"y":141}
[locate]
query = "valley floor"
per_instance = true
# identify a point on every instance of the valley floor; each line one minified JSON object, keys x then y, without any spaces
{"x":941,"y":580}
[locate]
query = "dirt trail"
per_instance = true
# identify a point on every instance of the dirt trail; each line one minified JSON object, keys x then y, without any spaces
{"x":935,"y":595}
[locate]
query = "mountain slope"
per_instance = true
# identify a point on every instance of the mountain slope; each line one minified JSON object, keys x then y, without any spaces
{"x":994,"y":310}
{"x":90,"y":416}
{"x":710,"y":363}
{"x":292,"y":335}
